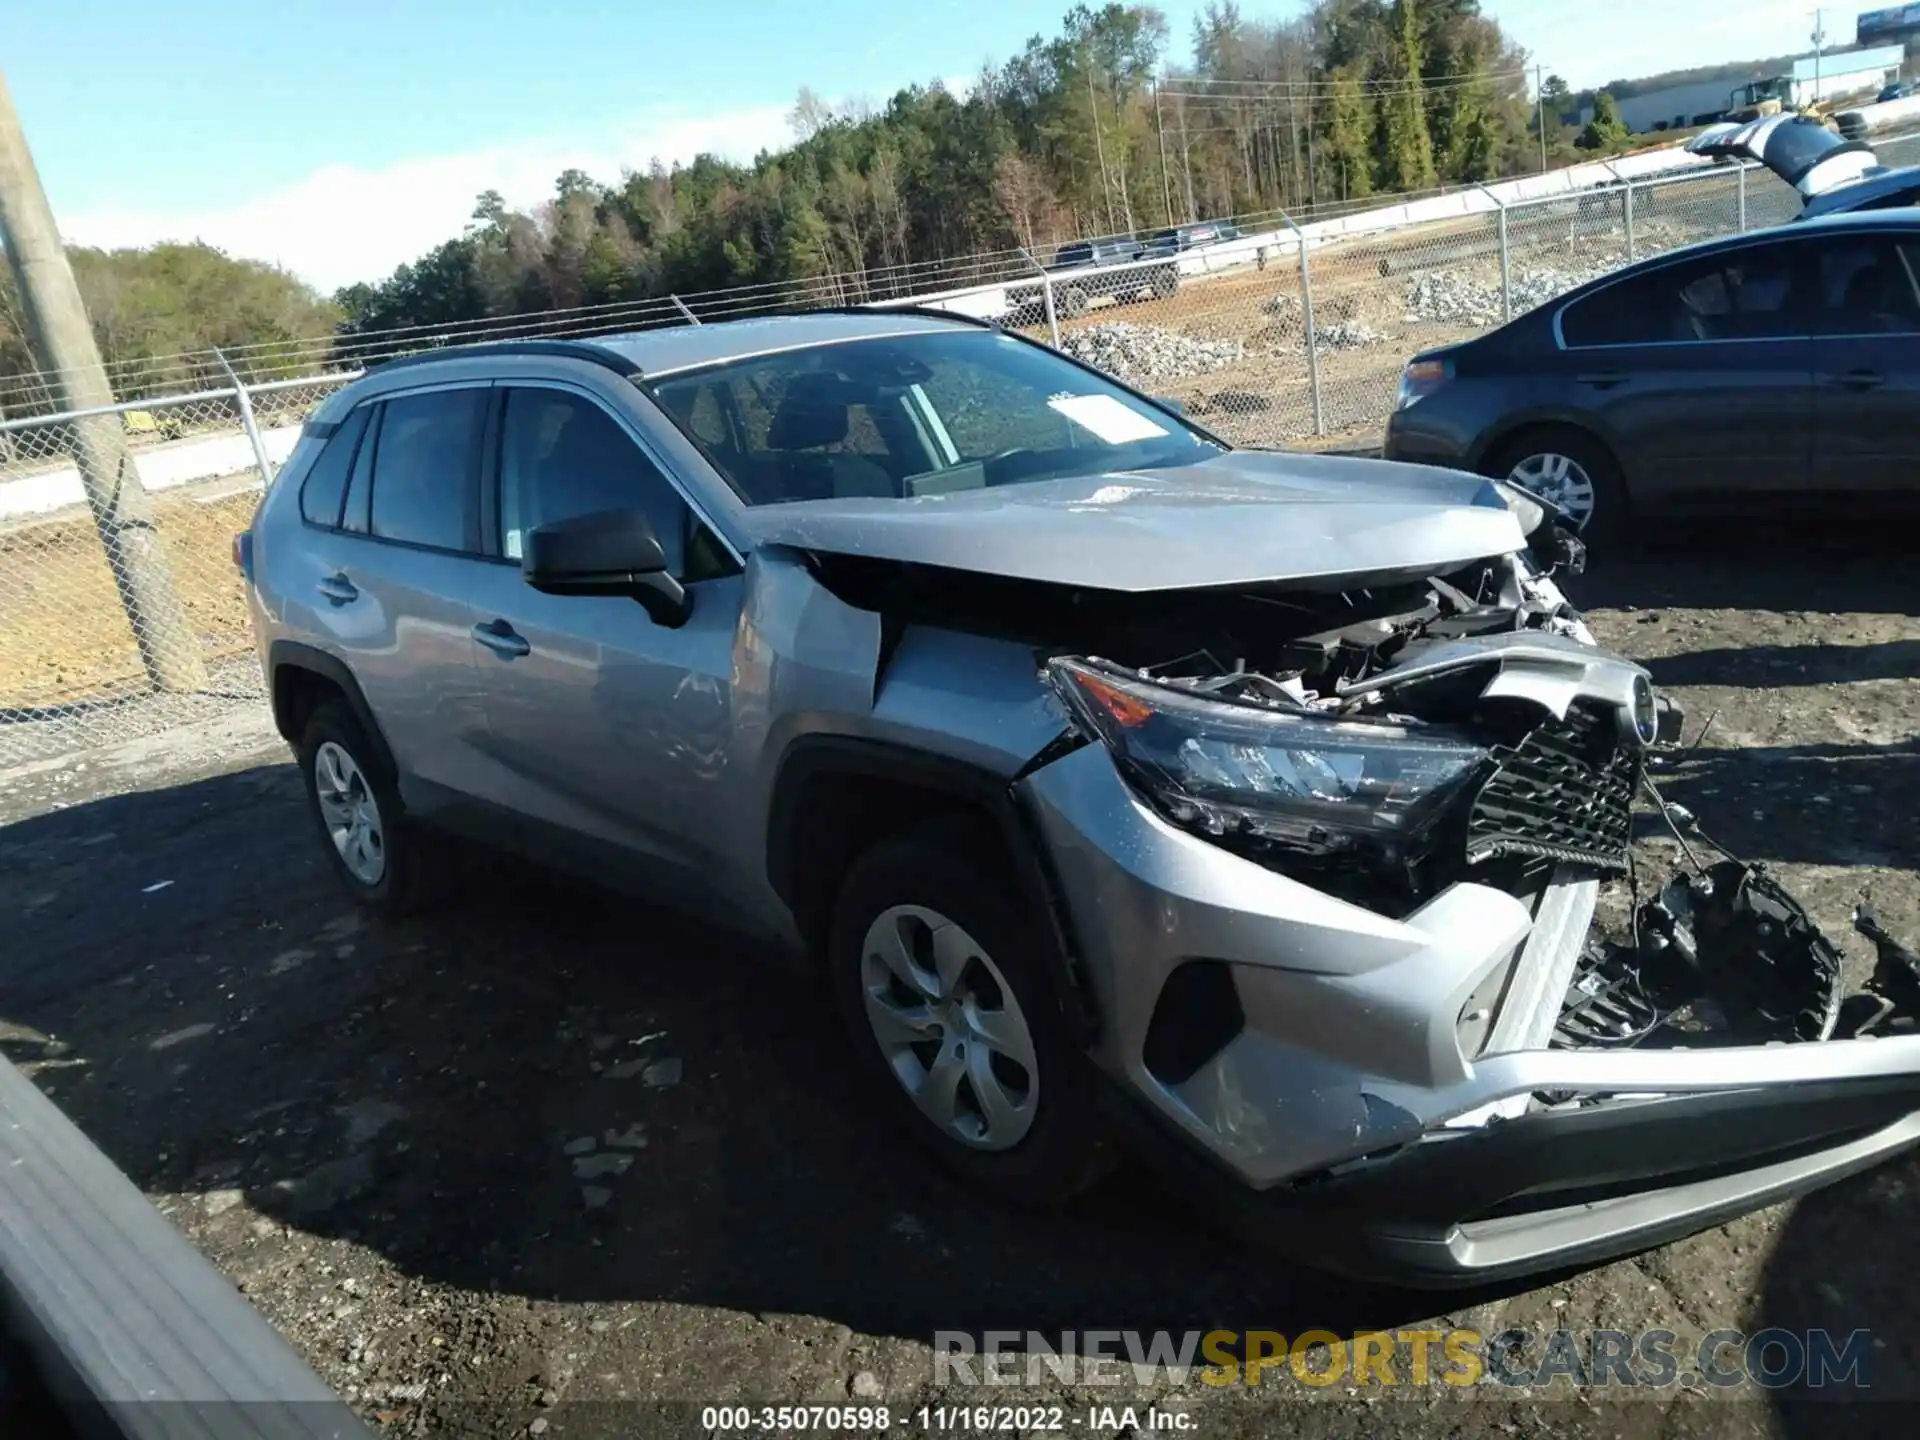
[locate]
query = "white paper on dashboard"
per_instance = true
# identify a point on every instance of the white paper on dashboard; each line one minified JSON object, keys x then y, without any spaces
{"x":1106,"y":418}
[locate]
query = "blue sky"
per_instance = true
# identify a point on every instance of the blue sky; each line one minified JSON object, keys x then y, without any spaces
{"x":340,"y":138}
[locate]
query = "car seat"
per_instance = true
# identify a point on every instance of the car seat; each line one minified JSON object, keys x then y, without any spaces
{"x":812,"y":414}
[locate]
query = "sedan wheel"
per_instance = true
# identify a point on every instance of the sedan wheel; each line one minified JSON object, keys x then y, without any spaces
{"x":1560,"y":481}
{"x":350,"y":813}
{"x":950,"y":1027}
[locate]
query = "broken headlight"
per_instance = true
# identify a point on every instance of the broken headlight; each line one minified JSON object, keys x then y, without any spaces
{"x":1304,"y":781}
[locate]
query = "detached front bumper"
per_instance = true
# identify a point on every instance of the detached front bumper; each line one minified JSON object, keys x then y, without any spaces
{"x":1373,"y":1091}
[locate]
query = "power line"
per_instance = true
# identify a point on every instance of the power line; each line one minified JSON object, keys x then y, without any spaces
{"x":1308,"y":83}
{"x":1282,"y":92}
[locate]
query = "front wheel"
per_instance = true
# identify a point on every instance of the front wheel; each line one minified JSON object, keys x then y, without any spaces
{"x":942,"y":981}
{"x":1572,"y":471}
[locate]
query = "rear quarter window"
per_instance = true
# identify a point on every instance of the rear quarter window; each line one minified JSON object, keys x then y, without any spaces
{"x":324,"y":490}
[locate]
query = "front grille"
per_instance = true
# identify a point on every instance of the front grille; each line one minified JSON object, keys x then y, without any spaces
{"x":1563,"y":793}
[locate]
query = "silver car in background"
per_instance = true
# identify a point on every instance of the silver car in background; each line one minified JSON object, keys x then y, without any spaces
{"x":1109,"y":778}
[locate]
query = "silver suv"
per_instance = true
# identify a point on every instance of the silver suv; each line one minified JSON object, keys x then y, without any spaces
{"x":1109,"y":778}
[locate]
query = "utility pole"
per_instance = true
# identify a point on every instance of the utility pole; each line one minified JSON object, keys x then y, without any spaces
{"x":62,"y":344}
{"x":1160,"y":125}
{"x":1540,"y":94}
{"x":1293,"y":128}
{"x":1100,"y":150}
{"x":1186,"y":156}
{"x":1313,"y":181}
{"x":1819,"y":42}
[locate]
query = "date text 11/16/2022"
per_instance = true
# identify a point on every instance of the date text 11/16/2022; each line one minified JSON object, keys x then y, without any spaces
{"x":944,"y":1419}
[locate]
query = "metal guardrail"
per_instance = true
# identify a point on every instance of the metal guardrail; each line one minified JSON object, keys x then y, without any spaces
{"x":135,"y":1333}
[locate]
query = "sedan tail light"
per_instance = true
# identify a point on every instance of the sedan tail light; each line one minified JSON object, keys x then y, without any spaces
{"x":243,"y":553}
{"x":1420,"y":379}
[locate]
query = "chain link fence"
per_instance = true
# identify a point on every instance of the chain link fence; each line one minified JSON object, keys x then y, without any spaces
{"x":122,"y":614}
{"x":1275,"y":335}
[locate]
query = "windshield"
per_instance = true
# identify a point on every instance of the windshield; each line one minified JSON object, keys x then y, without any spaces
{"x":910,"y":415}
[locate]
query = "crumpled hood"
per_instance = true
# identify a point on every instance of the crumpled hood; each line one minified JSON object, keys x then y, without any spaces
{"x":1237,"y":519}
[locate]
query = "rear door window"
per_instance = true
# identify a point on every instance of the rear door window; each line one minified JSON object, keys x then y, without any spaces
{"x":1748,"y":293}
{"x":424,"y":462}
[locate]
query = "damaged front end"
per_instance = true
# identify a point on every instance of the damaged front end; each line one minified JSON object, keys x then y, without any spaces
{"x":1346,"y":915}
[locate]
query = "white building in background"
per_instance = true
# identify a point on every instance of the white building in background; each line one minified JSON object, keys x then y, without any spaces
{"x":1834,"y":74}
{"x":1675,"y":107}
{"x":1845,"y":72}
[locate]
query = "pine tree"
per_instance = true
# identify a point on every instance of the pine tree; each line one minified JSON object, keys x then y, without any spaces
{"x":1406,"y":145}
{"x":1350,"y":135}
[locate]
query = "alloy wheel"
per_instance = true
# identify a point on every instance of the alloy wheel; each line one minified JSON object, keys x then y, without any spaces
{"x":350,"y":812}
{"x":1559,"y":480}
{"x":950,"y":1027}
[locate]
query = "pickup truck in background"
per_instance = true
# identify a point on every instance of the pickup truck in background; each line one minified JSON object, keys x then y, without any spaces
{"x":1084,"y":272}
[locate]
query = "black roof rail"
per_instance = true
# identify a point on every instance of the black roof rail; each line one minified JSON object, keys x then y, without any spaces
{"x":485,"y":349}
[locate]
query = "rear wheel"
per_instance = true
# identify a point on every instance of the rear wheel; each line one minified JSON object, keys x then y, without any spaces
{"x":1073,"y":302}
{"x":942,"y":982}
{"x":1571,"y":470}
{"x":1165,"y":283}
{"x":378,"y":853}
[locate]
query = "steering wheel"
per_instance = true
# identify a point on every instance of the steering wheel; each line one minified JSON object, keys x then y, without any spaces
{"x":1001,"y":457}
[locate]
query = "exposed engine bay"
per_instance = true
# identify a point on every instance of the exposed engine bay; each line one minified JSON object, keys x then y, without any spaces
{"x":1383,"y":742}
{"x":1546,"y":777}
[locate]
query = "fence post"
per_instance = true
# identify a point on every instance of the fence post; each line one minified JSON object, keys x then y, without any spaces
{"x":1506,"y":259}
{"x":1631,"y":255}
{"x":1046,"y":296}
{"x":247,"y":421}
{"x":1742,"y":174}
{"x":61,"y":339}
{"x":1306,"y":318}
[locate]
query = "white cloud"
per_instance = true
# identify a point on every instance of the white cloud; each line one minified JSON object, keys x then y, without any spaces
{"x":343,"y":223}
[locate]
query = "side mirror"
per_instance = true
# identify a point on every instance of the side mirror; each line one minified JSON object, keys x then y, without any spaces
{"x":1179,"y":407}
{"x":611,"y":552}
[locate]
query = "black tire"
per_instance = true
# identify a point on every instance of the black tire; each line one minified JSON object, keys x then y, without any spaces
{"x":1166,"y":283}
{"x":955,"y":866}
{"x":414,"y":864}
{"x":1611,"y":510}
{"x":1073,"y":303}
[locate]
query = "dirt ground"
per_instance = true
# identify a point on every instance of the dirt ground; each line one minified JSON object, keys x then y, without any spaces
{"x":63,"y":633}
{"x":378,"y":1130}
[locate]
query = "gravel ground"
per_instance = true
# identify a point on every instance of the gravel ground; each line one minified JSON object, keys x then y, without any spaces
{"x":549,"y":1164}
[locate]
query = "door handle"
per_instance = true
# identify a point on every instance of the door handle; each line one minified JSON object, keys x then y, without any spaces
{"x":338,"y":588}
{"x":1860,"y":380}
{"x":1603,"y":379}
{"x":501,"y":638}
